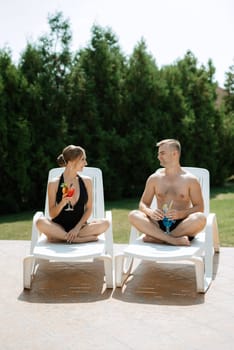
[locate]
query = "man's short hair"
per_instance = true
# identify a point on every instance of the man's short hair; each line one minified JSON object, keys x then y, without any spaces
{"x":172,"y":143}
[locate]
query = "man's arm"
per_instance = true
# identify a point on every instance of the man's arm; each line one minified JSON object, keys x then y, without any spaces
{"x":196,"y":196}
{"x":147,"y":198}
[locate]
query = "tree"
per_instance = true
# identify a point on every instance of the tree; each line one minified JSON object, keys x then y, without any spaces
{"x":96,"y":105}
{"x":14,"y":137}
{"x":192,"y":108}
{"x":46,"y":67}
{"x":142,"y":111}
{"x":116,"y":107}
{"x":228,"y":109}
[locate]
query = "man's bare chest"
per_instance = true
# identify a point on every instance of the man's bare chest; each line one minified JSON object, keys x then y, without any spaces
{"x":177,"y":190}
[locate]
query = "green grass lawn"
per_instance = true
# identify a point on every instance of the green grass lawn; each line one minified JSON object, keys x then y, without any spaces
{"x":18,"y":226}
{"x":222,"y":203}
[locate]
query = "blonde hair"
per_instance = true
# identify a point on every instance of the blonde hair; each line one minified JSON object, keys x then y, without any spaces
{"x":175,"y":144}
{"x":70,"y":153}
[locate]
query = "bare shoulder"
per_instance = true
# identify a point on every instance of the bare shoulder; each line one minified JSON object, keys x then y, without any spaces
{"x":87,"y":179}
{"x":159,"y":174}
{"x":192,"y":179}
{"x":153,"y":178}
{"x":54,"y":181}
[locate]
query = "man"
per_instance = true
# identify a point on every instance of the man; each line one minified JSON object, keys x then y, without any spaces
{"x":176,"y":190}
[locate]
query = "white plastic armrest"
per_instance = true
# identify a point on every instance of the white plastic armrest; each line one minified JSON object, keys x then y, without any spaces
{"x":212,"y":230}
{"x":35,"y":231}
{"x":109,"y":234}
{"x":134,"y":233}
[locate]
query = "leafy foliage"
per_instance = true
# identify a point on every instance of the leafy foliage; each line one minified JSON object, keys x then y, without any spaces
{"x":116,"y":107}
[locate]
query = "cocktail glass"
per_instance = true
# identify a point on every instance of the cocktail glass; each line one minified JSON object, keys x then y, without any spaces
{"x":70,"y":193}
{"x":166,"y":221}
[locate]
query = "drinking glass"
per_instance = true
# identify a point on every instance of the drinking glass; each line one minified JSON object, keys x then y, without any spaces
{"x":70,"y":193}
{"x":166,"y":221}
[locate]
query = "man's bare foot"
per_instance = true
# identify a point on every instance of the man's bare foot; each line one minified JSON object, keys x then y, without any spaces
{"x":177,"y":241}
{"x":149,"y":239}
{"x":184,"y":241}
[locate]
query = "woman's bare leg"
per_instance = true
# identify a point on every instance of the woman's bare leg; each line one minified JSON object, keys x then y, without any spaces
{"x":85,"y":239}
{"x":53,"y":231}
{"x":91,"y":231}
{"x":88,"y":233}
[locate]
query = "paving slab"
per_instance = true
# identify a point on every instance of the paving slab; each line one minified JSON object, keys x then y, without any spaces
{"x":70,"y":308}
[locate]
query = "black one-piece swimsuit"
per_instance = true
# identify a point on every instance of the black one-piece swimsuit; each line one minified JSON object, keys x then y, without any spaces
{"x":69,"y":219}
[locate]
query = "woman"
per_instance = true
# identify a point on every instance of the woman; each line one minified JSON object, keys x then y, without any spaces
{"x":71,"y":226}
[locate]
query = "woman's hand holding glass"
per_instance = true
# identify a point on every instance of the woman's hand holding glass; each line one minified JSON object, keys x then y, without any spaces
{"x":68,"y":192}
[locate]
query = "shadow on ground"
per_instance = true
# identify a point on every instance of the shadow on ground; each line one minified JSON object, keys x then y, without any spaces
{"x":67,"y":283}
{"x":150,"y":283}
{"x":163,"y":284}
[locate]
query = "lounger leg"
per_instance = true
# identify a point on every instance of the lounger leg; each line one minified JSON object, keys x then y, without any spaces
{"x":28,"y":267}
{"x":108,"y":266}
{"x":203,"y":275}
{"x":119,"y":260}
{"x":215,"y":235}
{"x":123,"y":267}
{"x":213,"y":231}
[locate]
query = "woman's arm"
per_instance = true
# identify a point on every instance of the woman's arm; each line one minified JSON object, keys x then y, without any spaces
{"x":89,"y":205}
{"x":55,"y":208}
